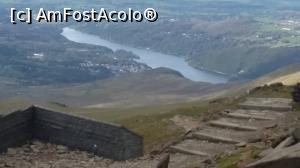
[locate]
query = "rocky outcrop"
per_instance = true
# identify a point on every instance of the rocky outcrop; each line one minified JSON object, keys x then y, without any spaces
{"x":164,"y":161}
{"x":286,"y":154}
{"x":287,"y":157}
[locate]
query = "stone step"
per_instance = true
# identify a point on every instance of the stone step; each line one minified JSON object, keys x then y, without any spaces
{"x":230,"y":125}
{"x":236,"y":135}
{"x":202,"y":148}
{"x":241,"y":114}
{"x":275,"y":104}
{"x":245,"y":125}
{"x":265,"y":113}
{"x":179,"y":149}
{"x":215,"y":138}
{"x":180,"y":160}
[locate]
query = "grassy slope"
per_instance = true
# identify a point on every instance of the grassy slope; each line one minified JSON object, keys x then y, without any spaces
{"x":241,"y":88}
{"x":136,"y":89}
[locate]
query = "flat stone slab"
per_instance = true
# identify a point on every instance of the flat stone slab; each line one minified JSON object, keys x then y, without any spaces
{"x":235,"y":135}
{"x":276,"y":104}
{"x":215,"y":138}
{"x":250,"y":124}
{"x":253,"y":114}
{"x":204,"y":147}
{"x":180,"y":160}
{"x":230,"y":125}
{"x":188,"y":151}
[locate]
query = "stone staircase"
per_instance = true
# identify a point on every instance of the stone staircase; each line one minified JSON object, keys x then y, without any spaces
{"x":232,"y":130}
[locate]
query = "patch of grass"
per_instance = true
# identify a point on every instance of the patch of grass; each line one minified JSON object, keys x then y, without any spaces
{"x":296,"y":107}
{"x":239,"y":159}
{"x":207,"y":109}
{"x":272,"y":91}
{"x":13,"y":105}
{"x":230,"y":161}
{"x":157,"y":130}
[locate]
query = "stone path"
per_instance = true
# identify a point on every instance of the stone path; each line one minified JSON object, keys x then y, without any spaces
{"x":233,"y":129}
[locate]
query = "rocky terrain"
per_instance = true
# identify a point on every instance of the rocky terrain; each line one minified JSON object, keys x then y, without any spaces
{"x":44,"y":155}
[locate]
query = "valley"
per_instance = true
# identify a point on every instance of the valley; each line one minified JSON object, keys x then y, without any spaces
{"x":210,"y":35}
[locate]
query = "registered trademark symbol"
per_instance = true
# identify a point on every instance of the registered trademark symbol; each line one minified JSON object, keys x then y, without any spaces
{"x":151,"y":15}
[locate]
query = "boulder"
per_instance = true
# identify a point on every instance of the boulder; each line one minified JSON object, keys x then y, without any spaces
{"x":288,"y":157}
{"x":164,"y":161}
{"x":61,"y":149}
{"x":286,"y":143}
{"x":11,"y":151}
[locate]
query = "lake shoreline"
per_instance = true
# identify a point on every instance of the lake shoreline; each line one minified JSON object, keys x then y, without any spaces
{"x":216,"y":72}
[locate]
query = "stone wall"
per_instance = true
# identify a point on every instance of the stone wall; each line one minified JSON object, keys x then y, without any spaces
{"x":296,"y":93}
{"x":103,"y":139}
{"x":15,"y":129}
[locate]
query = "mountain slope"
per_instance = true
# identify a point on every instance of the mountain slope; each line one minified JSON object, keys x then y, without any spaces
{"x":157,"y":86}
{"x":290,"y":79}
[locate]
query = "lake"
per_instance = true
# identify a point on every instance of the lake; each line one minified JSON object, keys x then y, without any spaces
{"x":151,"y":58}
